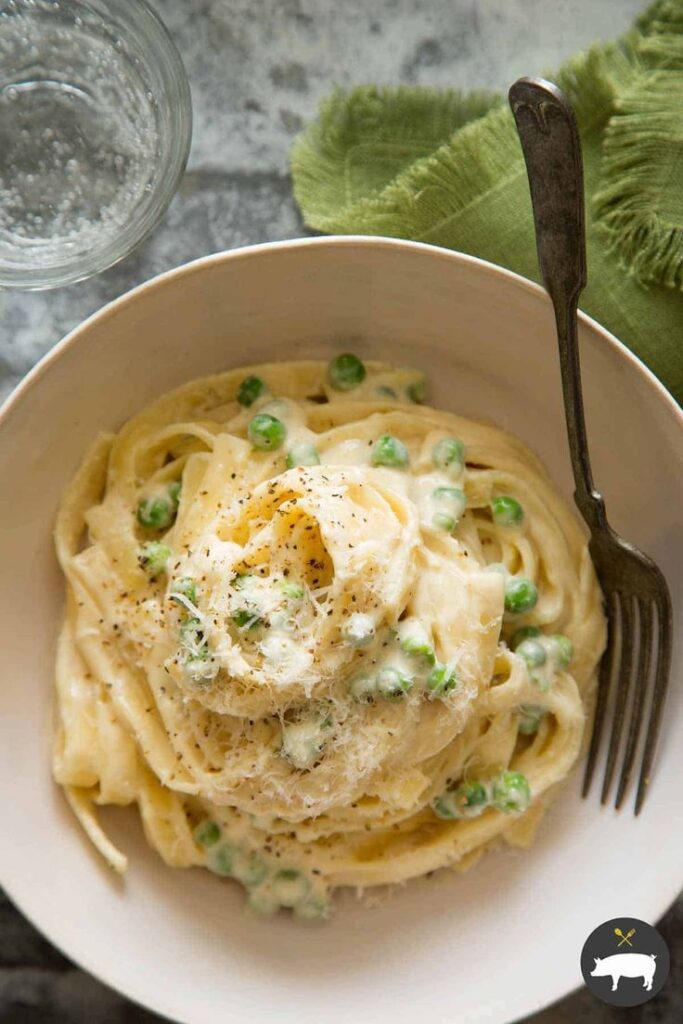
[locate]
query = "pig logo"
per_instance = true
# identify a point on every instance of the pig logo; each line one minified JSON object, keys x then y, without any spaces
{"x":625,"y":962}
{"x":626,"y":965}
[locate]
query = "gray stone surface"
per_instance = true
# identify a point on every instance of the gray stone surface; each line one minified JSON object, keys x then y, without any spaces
{"x":258,"y":69}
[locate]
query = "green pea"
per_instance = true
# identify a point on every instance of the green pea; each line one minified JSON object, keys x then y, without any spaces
{"x":416,"y":391}
{"x":220,"y":861}
{"x":266,"y":432}
{"x":291,"y":887}
{"x":154,"y":558}
{"x":198,"y":664}
{"x":263,"y":901}
{"x":511,"y":792}
{"x":452,"y":502}
{"x":156,"y":513}
{"x":393,"y":684}
{"x":302,"y":454}
{"x":506,"y":511}
{"x":521,"y":595}
{"x":294,"y":591}
{"x":449,"y":496}
{"x":442,"y":521}
{"x":389,"y":451}
{"x":532,"y":652}
{"x":420,"y":648}
{"x":442,"y":680}
{"x":468,"y":800}
{"x":207,"y":833}
{"x":346,"y":372}
{"x":449,"y":453}
{"x":246,"y":618}
{"x":191,"y":633}
{"x":359,"y":630}
{"x":472,"y":798}
{"x":529,"y":718}
{"x":385,"y":391}
{"x":185,"y":587}
{"x":541,"y":680}
{"x":524,"y":633}
{"x":249,"y":390}
{"x":248,"y":868}
{"x":445,"y":806}
{"x":560,"y":649}
{"x":363,"y":688}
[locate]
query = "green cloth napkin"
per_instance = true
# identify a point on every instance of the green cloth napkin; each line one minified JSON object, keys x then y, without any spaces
{"x":446,"y":167}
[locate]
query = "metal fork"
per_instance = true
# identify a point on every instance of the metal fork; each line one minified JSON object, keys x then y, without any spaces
{"x":635,"y":591}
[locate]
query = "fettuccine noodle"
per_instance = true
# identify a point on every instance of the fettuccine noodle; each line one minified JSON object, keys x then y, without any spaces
{"x":320,"y":634}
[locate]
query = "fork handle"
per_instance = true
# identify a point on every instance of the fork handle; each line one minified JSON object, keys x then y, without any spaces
{"x":552,"y":152}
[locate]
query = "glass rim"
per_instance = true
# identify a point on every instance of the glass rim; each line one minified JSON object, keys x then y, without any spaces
{"x":139,"y":17}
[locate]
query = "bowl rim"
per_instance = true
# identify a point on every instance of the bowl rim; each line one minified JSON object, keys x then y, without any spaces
{"x":72,"y":337}
{"x":106,"y":973}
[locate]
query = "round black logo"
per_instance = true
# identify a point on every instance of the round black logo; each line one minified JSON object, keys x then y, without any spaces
{"x":625,"y":962}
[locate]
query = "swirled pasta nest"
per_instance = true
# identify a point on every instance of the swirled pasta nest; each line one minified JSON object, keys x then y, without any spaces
{"x":322,"y":636}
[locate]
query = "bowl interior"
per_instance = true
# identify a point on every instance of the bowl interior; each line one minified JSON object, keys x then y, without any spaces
{"x":485,"y":339}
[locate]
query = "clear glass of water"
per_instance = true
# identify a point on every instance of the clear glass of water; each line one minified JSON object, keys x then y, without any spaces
{"x":95,"y":129}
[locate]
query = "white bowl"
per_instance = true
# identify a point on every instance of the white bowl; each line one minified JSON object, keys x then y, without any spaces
{"x":490,"y":946}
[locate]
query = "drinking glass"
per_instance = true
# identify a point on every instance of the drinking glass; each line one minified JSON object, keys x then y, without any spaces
{"x":95,"y":129}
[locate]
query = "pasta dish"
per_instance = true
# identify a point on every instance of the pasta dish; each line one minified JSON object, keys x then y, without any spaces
{"x":321,"y":634}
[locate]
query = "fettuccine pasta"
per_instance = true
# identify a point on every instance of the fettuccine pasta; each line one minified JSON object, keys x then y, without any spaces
{"x":321,"y":634}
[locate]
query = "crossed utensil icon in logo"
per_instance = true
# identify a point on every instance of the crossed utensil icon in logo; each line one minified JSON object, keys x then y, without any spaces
{"x":625,"y":938}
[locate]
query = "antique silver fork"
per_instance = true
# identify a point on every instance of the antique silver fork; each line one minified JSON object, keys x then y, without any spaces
{"x":637,"y":599}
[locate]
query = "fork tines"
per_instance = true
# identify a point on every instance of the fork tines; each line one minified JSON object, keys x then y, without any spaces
{"x":639,"y":626}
